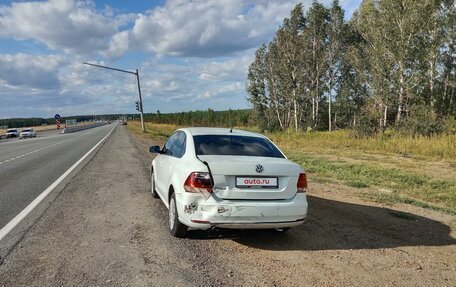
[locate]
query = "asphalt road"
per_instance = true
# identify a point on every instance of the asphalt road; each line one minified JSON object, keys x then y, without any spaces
{"x":29,"y":166}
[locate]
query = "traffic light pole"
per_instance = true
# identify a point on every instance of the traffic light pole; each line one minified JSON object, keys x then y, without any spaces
{"x":140,"y":102}
{"x":139,"y":88}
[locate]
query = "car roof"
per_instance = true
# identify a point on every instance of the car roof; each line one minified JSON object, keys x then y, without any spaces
{"x":197,"y":131}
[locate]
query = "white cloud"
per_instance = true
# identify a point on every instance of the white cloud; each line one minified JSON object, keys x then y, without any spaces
{"x":75,"y":27}
{"x":32,"y":72}
{"x":193,"y":84}
{"x":208,"y":28}
{"x":43,"y":85}
{"x":224,"y":90}
{"x":118,"y":45}
{"x":234,"y":69}
{"x":101,"y":88}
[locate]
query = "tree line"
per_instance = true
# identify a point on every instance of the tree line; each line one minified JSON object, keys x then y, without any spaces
{"x":391,"y":65}
{"x":209,"y":118}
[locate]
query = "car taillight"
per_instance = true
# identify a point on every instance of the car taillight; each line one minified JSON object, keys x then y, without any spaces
{"x":198,"y":182}
{"x":302,"y":182}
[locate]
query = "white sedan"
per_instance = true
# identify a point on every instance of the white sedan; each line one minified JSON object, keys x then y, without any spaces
{"x":215,"y":177}
{"x":12,"y":133}
{"x":27,"y":133}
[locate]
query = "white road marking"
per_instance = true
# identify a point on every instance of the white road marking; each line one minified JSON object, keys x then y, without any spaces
{"x":14,"y":141}
{"x":18,"y":218}
{"x":19,"y":156}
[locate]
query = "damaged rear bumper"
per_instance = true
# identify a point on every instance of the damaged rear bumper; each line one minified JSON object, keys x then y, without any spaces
{"x":241,"y":214}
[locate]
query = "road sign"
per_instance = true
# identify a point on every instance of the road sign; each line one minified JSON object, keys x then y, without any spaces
{"x":57,"y":120}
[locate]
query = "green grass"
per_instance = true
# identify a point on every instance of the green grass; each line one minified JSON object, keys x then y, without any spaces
{"x":357,"y":184}
{"x":391,"y":199}
{"x":399,"y":165}
{"x":400,"y":182}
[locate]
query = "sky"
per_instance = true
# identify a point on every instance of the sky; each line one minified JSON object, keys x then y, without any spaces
{"x":191,"y":55}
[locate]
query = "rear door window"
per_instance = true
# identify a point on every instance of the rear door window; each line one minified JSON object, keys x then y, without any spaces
{"x":175,"y":146}
{"x":167,"y":148}
{"x":178,"y":148}
{"x":235,"y":145}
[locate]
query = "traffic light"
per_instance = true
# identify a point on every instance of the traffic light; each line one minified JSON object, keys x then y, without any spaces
{"x":137,"y":106}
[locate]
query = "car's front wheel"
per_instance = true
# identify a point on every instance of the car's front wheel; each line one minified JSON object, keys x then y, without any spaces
{"x":176,"y":228}
{"x":152,"y":183}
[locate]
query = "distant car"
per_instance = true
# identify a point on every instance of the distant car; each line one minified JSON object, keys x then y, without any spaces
{"x":213,"y":177}
{"x":12,"y":133}
{"x":124,"y":123}
{"x":27,"y":133}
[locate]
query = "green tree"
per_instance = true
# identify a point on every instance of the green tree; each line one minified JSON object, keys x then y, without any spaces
{"x":289,"y":43}
{"x":334,"y":51}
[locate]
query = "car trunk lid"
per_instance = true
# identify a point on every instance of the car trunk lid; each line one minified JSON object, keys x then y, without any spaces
{"x":252,"y":178}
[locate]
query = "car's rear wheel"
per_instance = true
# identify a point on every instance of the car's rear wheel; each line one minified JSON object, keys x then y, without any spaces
{"x":152,"y":183}
{"x":176,"y":228}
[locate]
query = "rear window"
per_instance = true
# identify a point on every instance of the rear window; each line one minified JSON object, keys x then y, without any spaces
{"x":11,"y":131}
{"x":235,"y":145}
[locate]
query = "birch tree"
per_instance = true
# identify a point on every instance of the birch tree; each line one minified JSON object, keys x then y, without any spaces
{"x":315,"y":40}
{"x":334,"y":52}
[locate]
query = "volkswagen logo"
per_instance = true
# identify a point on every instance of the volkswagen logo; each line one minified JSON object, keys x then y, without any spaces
{"x":259,"y":168}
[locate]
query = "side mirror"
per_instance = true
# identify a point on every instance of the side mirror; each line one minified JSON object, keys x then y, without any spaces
{"x":154,"y":149}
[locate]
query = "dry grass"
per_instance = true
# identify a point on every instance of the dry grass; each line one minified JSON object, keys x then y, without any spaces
{"x":441,"y":147}
{"x":154,"y":132}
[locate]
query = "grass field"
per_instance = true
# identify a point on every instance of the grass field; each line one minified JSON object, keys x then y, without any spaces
{"x":420,"y":171}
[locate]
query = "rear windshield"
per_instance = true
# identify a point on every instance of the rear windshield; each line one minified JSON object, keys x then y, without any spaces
{"x":235,"y":145}
{"x":11,"y":131}
{"x":26,"y":130}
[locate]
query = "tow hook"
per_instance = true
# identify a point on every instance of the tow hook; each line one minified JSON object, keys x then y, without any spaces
{"x":222,"y":209}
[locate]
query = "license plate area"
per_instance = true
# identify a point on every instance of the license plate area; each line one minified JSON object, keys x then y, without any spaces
{"x":257,"y":182}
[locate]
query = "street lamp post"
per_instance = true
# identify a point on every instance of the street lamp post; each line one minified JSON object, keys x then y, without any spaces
{"x":139,"y":88}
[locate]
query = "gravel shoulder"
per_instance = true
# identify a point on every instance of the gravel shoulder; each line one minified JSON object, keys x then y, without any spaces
{"x":105,"y":229}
